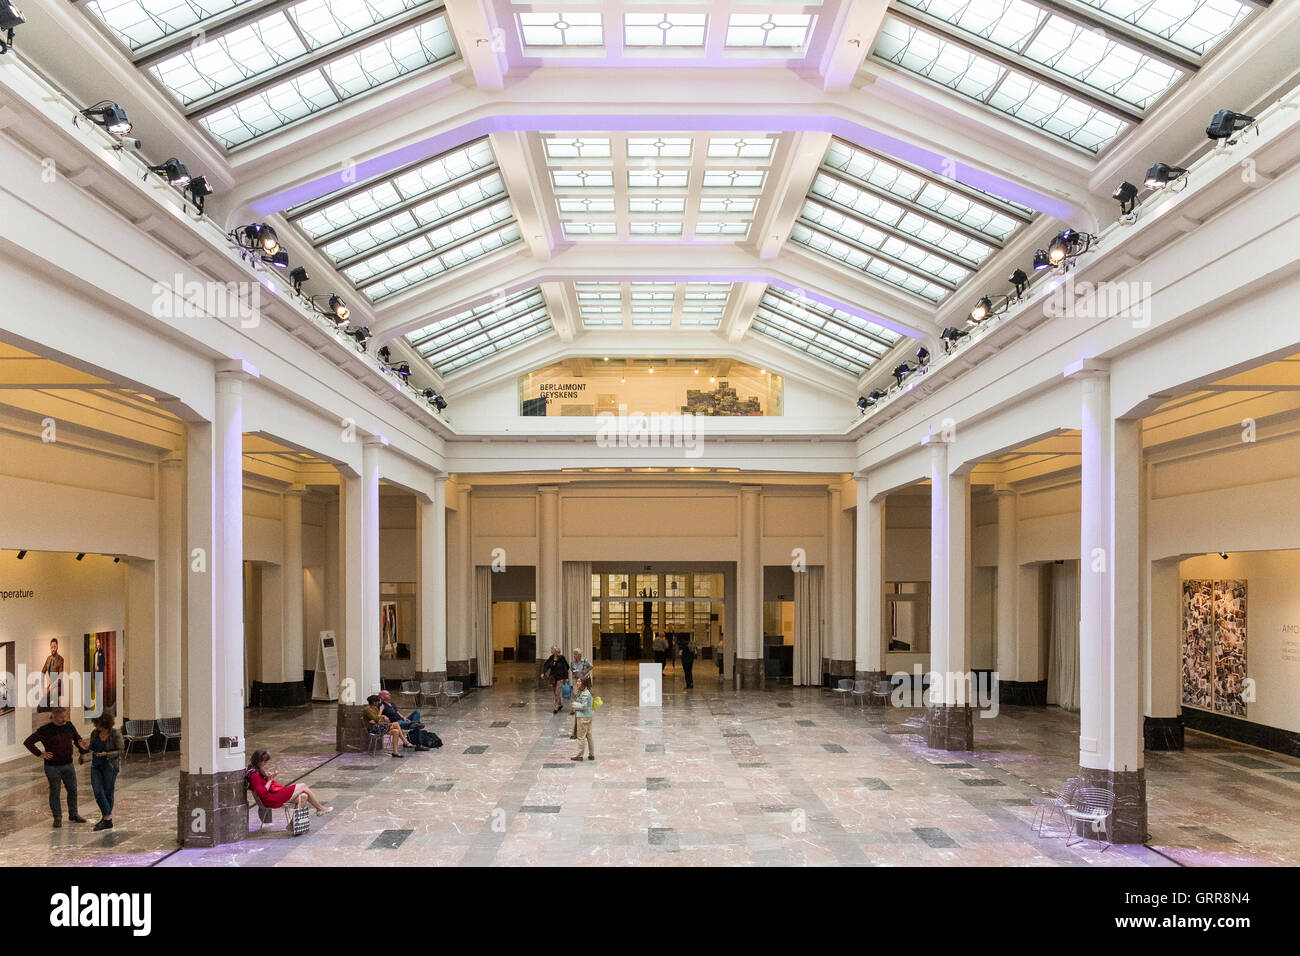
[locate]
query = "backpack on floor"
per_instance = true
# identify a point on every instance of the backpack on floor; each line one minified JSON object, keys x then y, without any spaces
{"x":427,"y":738}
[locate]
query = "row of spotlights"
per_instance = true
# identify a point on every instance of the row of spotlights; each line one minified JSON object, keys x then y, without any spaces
{"x":112,"y":117}
{"x":23,"y":553}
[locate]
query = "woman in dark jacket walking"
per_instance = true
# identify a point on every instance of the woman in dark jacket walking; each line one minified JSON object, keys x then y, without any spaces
{"x":556,"y":669}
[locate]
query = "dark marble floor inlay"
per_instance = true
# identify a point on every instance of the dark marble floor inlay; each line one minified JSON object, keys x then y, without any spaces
{"x":953,"y":766}
{"x":655,"y":748}
{"x":557,"y":766}
{"x":983,"y":782}
{"x":537,"y":808}
{"x":875,"y":783}
{"x":834,"y":749}
{"x":1249,"y":762}
{"x":656,"y":783}
{"x":806,"y":723}
{"x":476,"y":749}
{"x":390,"y":840}
{"x":934,"y":837}
{"x":499,"y":723}
{"x":441,"y":787}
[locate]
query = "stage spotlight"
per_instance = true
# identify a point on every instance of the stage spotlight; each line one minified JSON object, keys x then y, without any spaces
{"x":1161,"y":175}
{"x":172,"y":170}
{"x":198,"y":190}
{"x":874,"y":396}
{"x":359,"y":335}
{"x":108,"y":115}
{"x":863,"y":404}
{"x":384,"y":354}
{"x":902,"y":371}
{"x":1040,"y":260}
{"x":298,"y":276}
{"x":922,"y":357}
{"x":434,"y":399}
{"x":280,"y":260}
{"x":257,"y":237}
{"x":10,"y":17}
{"x":1224,"y":555}
{"x":1068,"y":245}
{"x":982,"y":309}
{"x":117,"y":560}
{"x":341,"y":311}
{"x":950,"y":336}
{"x":1126,"y":195}
{"x":1225,"y":122}
{"x":1020,"y":281}
{"x":81,"y":555}
{"x":22,"y":554}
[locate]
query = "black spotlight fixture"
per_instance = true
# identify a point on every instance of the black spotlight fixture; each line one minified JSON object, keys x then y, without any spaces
{"x":434,"y":399}
{"x":334,"y":308}
{"x":80,"y":556}
{"x":10,"y":17}
{"x":298,"y":276}
{"x":359,"y":335}
{"x":1160,"y":175}
{"x":280,"y":260}
{"x":1126,"y":196}
{"x":951,"y":336}
{"x":874,"y":396}
{"x":109,"y":115}
{"x":1224,"y":555}
{"x":1225,"y":122}
{"x":257,"y":237}
{"x":117,"y":560}
{"x":863,"y":404}
{"x":384,"y":354}
{"x":402,"y":369}
{"x":983,"y":309}
{"x":198,"y":190}
{"x":1041,"y":261}
{"x":1020,"y":281}
{"x":22,"y":554}
{"x":1068,"y":245}
{"x":174,"y":171}
{"x":922,"y":357}
{"x":902,"y":371}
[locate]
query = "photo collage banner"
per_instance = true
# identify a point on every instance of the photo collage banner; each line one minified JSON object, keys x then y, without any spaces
{"x":1214,"y":645}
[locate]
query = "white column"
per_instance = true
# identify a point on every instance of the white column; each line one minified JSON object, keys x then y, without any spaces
{"x":550,"y":612}
{"x":1095,"y":516}
{"x":141,"y":641}
{"x":837,"y":613}
{"x":869,"y":649}
{"x":948,"y":718}
{"x":291,"y":583}
{"x":370,"y":621}
{"x":433,"y":580}
{"x":350,"y":602}
{"x":170,"y":581}
{"x":460,"y":638}
{"x":749,"y":587}
{"x":1008,"y":650}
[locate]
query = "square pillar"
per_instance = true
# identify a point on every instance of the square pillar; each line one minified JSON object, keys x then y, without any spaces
{"x":749,"y":587}
{"x":869,"y":587}
{"x":432,"y":524}
{"x":948,"y":717}
{"x":171,"y":572}
{"x":550,"y":608}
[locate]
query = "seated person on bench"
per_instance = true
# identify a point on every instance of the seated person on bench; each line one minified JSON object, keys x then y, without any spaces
{"x":390,"y":711}
{"x":376,"y":722}
{"x":272,"y":795}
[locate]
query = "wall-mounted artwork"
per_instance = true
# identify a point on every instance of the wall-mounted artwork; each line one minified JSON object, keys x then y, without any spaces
{"x":388,"y":636}
{"x":8,"y":690}
{"x":54,"y":682}
{"x":1214,"y":645}
{"x":99,"y":686}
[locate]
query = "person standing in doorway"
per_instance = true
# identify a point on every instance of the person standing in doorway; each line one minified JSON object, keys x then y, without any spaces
{"x":583,"y":712}
{"x":105,"y":761}
{"x":59,"y":738}
{"x":688,"y":661}
{"x":660,"y":646}
{"x":718,"y":656}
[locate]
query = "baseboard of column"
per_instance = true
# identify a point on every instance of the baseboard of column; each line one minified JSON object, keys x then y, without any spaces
{"x":749,"y":672}
{"x":349,"y":729}
{"x":1128,"y":821}
{"x":1162,"y":733}
{"x":1244,"y":731}
{"x":287,"y":694}
{"x":949,"y":727}
{"x":464,"y":671}
{"x":872,"y":678}
{"x":1023,"y":693}
{"x":212,"y":809}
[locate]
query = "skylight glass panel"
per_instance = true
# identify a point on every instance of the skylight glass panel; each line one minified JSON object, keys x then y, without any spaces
{"x":857,"y":258}
{"x":651,"y":322}
{"x":444,"y":262}
{"x":576,"y":147}
{"x":658,"y":178}
{"x":773,"y":30}
{"x":585,"y":204}
{"x":864,"y":234}
{"x":663,"y":29}
{"x":601,"y":323}
{"x":576,"y":230}
{"x":655,"y":228}
{"x":734,"y":229}
{"x":656,"y":204}
{"x":741,"y":147}
{"x":665,"y":147}
{"x":1194,"y":25}
{"x":582,"y":178}
{"x":561,"y":29}
{"x":733,"y":178}
{"x":985,"y":80}
{"x":330,"y":83}
{"x":1092,"y":57}
{"x":824,"y":333}
{"x":727,"y":204}
{"x":140,"y":22}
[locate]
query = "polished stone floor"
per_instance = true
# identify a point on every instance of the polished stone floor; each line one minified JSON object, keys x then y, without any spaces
{"x":786,"y":776}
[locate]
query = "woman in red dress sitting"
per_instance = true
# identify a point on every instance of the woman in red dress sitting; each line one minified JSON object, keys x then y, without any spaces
{"x":272,"y":794}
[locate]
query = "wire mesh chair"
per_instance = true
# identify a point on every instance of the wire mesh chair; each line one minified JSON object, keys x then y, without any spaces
{"x":1049,"y":817}
{"x":170,"y":728}
{"x":844,"y":688}
{"x":1092,"y":807}
{"x":430,"y":691}
{"x":860,"y":691}
{"x":880,"y":693}
{"x":137,"y":732}
{"x":453,"y":690}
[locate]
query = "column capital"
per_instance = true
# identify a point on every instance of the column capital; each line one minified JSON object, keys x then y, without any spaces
{"x":1087,"y":368}
{"x":1001,"y":491}
{"x":548,"y":489}
{"x":295,"y":491}
{"x":750,"y":489}
{"x":940,"y":437}
{"x":237,"y":369}
{"x":374,"y":441}
{"x":171,"y":460}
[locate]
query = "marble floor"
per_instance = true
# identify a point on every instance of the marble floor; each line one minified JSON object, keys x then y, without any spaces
{"x":785,"y":776}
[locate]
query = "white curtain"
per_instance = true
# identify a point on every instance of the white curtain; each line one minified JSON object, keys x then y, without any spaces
{"x":575,"y":582}
{"x":808,"y":614}
{"x":483,"y":645}
{"x":1063,"y":656}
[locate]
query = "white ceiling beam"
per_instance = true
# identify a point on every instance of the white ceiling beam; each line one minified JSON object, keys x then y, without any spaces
{"x":850,"y":39}
{"x":481,"y":42}
{"x":560,"y":309}
{"x":796,"y":175}
{"x":741,"y":309}
{"x":527,"y":194}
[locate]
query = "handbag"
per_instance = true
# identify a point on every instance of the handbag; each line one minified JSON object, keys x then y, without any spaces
{"x":567,"y":691}
{"x":596,"y":703}
{"x":300,"y":821}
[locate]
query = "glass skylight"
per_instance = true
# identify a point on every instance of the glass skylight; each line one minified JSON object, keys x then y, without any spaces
{"x":985,"y":80}
{"x":693,"y":305}
{"x":311,"y":82}
{"x":415,"y":224}
{"x":561,"y":29}
{"x":482,"y":331}
{"x":863,"y":260}
{"x":771,"y":30}
{"x":663,"y":29}
{"x":574,"y":147}
{"x":1195,"y":25}
{"x":140,"y":22}
{"x":830,"y":335}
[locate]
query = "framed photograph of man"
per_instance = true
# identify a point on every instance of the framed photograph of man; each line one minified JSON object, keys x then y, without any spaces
{"x":8,"y":688}
{"x":99,"y":686}
{"x":53,"y":687}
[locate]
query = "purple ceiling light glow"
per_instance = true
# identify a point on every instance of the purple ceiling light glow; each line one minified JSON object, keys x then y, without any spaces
{"x":648,"y":121}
